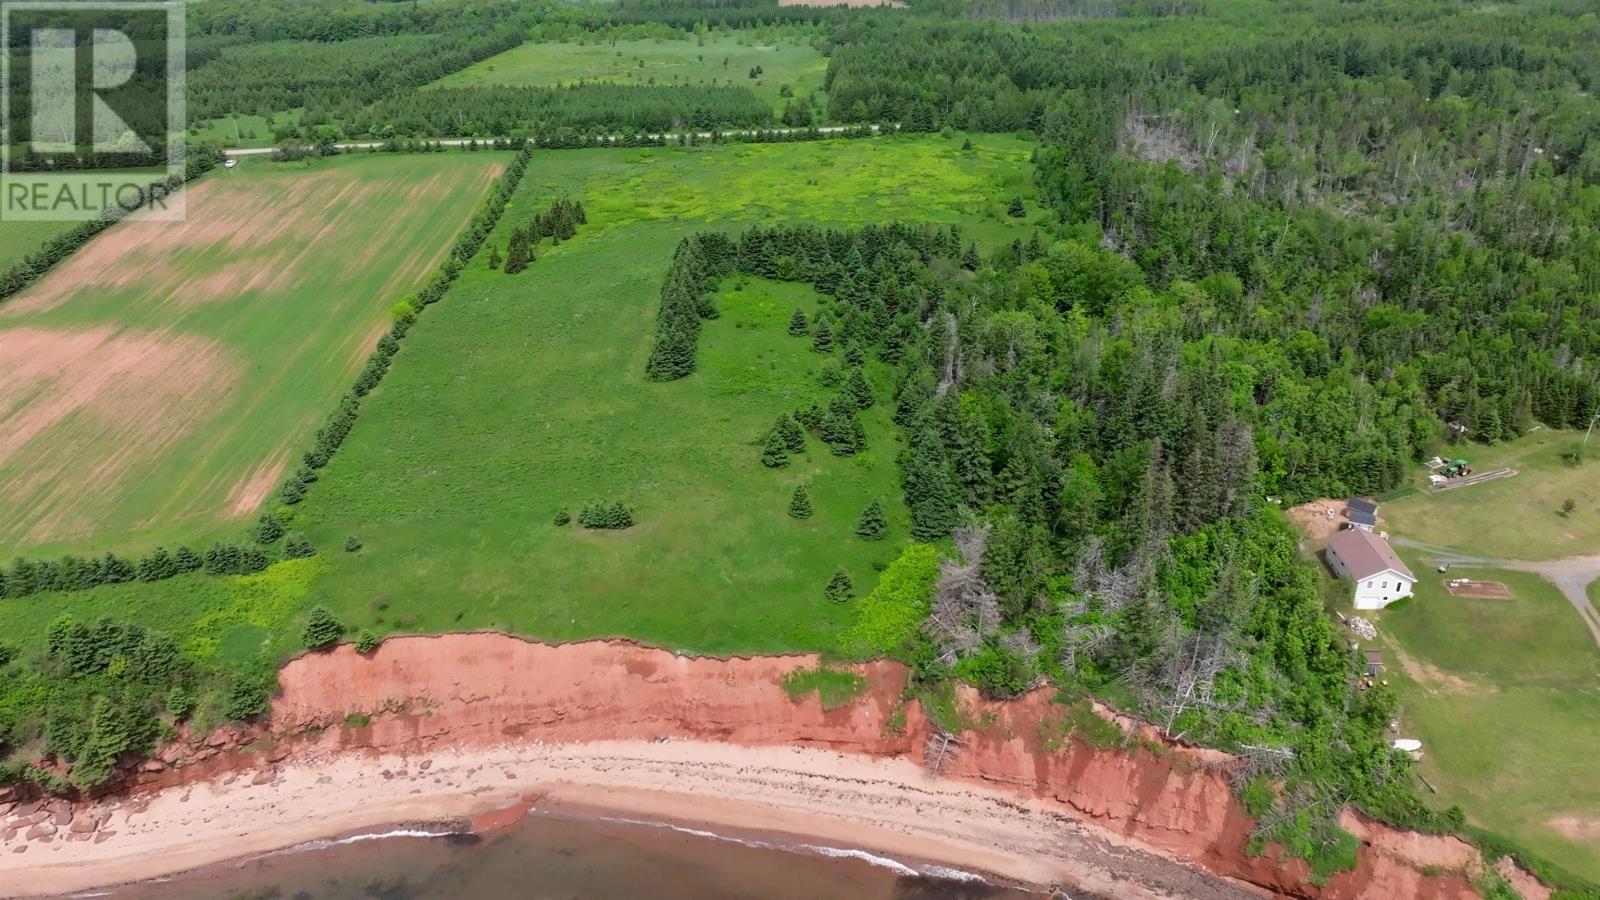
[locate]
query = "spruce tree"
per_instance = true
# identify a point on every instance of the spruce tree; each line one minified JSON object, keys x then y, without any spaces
{"x":298,"y":546}
{"x":494,"y":257}
{"x":839,"y":587}
{"x":873,"y":525}
{"x":268,"y":529}
{"x":1015,"y":209}
{"x":859,"y":390}
{"x":322,"y":629}
{"x":798,"y":326}
{"x":822,"y":335}
{"x":775,"y":454}
{"x":854,"y":356}
{"x":969,"y":258}
{"x":800,"y":503}
{"x":794,"y":437}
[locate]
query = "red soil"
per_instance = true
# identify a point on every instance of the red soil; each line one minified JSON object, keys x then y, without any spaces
{"x":429,"y":693}
{"x":80,"y":407}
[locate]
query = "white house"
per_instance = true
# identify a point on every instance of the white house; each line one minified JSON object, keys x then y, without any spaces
{"x":1366,"y":559}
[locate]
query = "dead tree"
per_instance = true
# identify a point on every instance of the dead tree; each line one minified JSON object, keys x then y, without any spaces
{"x":940,"y":749}
{"x":964,"y":612}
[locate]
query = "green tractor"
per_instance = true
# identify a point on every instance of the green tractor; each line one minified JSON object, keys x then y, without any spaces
{"x":1457,"y":468}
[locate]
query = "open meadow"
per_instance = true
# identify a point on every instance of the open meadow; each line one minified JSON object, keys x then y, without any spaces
{"x":157,"y":383}
{"x":1505,"y":695}
{"x":1511,"y":518}
{"x":723,"y":59}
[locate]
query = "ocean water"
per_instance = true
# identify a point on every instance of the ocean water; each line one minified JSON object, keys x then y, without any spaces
{"x":569,"y":855}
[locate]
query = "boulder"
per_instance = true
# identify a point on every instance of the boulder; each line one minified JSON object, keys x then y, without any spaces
{"x":40,"y":831}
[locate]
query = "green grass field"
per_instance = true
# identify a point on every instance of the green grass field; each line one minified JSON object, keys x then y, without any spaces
{"x":18,"y":239}
{"x":1505,"y":695}
{"x":1512,"y":518}
{"x":714,"y":59}
{"x":169,"y":372}
{"x":241,"y":131}
{"x":517,"y":396}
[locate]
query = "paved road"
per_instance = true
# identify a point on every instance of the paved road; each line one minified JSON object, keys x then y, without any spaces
{"x":670,"y":135}
{"x":1572,"y":575}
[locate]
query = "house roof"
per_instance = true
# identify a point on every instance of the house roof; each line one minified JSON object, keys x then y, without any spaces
{"x":1356,"y":504}
{"x":1365,"y":554}
{"x":1374,"y":656}
{"x":1361,"y":518}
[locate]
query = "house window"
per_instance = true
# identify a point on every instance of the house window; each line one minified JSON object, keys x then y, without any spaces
{"x":1369,"y":584}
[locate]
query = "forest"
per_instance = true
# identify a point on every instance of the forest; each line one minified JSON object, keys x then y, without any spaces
{"x":1281,"y":254}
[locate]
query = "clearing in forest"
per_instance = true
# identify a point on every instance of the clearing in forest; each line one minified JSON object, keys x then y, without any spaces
{"x":520,"y":396}
{"x":718,"y":60}
{"x":155,"y":385}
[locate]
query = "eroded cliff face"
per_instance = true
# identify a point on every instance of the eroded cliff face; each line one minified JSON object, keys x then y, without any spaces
{"x":426,"y":693}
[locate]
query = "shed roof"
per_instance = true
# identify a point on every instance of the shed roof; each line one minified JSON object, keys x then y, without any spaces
{"x":1361,"y":518}
{"x":1365,"y":554}
{"x":1356,"y":504}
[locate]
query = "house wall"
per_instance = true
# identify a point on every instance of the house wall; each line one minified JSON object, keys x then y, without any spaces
{"x":1381,"y":590}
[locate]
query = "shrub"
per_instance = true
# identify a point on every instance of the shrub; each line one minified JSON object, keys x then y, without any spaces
{"x":840,"y":588}
{"x":563,"y":517}
{"x":298,"y":546}
{"x":610,"y":514}
{"x":366,"y":642}
{"x":322,"y":629}
{"x":352,"y":544}
{"x":888,"y":618}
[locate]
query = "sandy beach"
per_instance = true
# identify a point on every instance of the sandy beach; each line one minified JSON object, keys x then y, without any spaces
{"x":888,"y":806}
{"x":476,"y":728}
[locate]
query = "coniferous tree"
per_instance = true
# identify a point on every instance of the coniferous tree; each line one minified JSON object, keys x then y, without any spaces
{"x":873,"y":524}
{"x":822,"y":335}
{"x":775,"y":453}
{"x":859,"y":390}
{"x":794,"y":437}
{"x":969,"y":258}
{"x":322,"y":629}
{"x":1015,"y":209}
{"x":800,"y":503}
{"x":494,"y":257}
{"x":798,"y":326}
{"x":298,"y":546}
{"x":840,"y":587}
{"x":268,"y":529}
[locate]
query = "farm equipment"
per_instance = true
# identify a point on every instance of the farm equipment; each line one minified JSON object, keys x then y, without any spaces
{"x":1456,"y":469}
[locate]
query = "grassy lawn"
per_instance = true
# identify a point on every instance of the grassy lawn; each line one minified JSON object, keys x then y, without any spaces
{"x":518,"y":396}
{"x":168,"y":372}
{"x":1512,"y":518}
{"x":785,"y":58}
{"x":1505,"y":695}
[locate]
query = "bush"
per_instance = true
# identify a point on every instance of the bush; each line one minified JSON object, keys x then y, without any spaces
{"x":563,"y":517}
{"x":889,"y":618}
{"x":352,"y":544}
{"x":611,"y":514}
{"x":322,"y":629}
{"x":298,"y":546}
{"x":366,"y":642}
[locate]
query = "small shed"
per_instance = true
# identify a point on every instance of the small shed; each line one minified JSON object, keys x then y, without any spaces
{"x":1356,"y":504}
{"x":1362,"y":520}
{"x":1374,"y":662}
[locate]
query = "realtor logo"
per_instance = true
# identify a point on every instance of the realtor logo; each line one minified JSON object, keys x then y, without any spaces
{"x":93,"y":110}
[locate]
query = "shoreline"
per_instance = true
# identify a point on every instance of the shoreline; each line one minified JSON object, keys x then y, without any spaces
{"x":813,"y":797}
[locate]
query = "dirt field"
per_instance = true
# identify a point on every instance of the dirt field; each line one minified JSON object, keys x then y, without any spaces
{"x":1483,"y":590}
{"x":156,"y":385}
